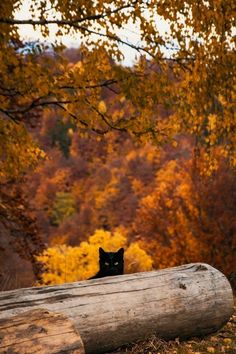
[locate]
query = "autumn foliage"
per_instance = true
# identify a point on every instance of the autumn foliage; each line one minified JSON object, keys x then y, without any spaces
{"x":166,"y":205}
{"x":104,"y":154}
{"x":67,"y":264}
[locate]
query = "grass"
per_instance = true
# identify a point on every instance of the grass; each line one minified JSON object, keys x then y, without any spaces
{"x":223,"y":341}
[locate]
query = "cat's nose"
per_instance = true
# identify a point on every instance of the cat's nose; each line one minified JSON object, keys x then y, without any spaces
{"x":114,"y":270}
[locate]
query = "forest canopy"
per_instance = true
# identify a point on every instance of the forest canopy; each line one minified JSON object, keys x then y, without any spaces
{"x":89,"y":146}
{"x":187,"y":70}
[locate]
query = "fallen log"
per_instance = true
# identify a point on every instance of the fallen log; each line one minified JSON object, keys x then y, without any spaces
{"x":190,"y":300}
{"x":39,"y":331}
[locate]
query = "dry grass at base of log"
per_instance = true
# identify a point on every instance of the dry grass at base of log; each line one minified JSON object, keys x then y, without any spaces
{"x":223,"y":341}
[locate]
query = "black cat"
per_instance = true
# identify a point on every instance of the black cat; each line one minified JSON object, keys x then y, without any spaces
{"x":111,"y":263}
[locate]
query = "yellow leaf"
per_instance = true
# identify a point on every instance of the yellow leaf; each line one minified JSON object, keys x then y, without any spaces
{"x":102,"y":107}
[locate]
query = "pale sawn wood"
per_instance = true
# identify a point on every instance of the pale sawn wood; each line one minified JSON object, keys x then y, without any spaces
{"x":39,"y":331}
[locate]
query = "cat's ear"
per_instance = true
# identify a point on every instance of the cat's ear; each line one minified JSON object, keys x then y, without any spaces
{"x":101,"y":252}
{"x":121,"y":252}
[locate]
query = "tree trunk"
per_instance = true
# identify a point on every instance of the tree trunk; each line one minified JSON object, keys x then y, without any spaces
{"x":190,"y":300}
{"x":39,"y":331}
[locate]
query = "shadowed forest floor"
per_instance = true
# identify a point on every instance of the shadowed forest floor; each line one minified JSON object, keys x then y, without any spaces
{"x":223,"y":341}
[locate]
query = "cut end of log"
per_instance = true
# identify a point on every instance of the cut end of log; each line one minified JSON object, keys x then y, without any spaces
{"x":39,"y":331}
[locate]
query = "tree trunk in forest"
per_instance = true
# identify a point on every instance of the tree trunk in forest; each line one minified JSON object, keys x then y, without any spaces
{"x":190,"y":300}
{"x":39,"y":331}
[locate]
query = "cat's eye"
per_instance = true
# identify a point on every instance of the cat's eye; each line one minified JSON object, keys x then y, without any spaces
{"x":107,"y":264}
{"x":116,"y":263}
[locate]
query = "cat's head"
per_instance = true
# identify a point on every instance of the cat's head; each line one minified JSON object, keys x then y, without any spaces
{"x":111,"y":263}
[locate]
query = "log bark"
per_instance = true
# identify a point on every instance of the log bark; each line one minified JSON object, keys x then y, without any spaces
{"x":190,"y":300}
{"x":39,"y":331}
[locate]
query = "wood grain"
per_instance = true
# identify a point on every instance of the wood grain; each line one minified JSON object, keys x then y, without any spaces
{"x":39,"y":331}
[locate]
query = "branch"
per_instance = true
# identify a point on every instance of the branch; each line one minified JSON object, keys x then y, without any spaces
{"x":43,"y":22}
{"x":97,"y":131}
{"x":105,"y":118}
{"x":106,"y":83}
{"x":115,"y":38}
{"x":75,"y":24}
{"x":38,"y":101}
{"x":9,"y":115}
